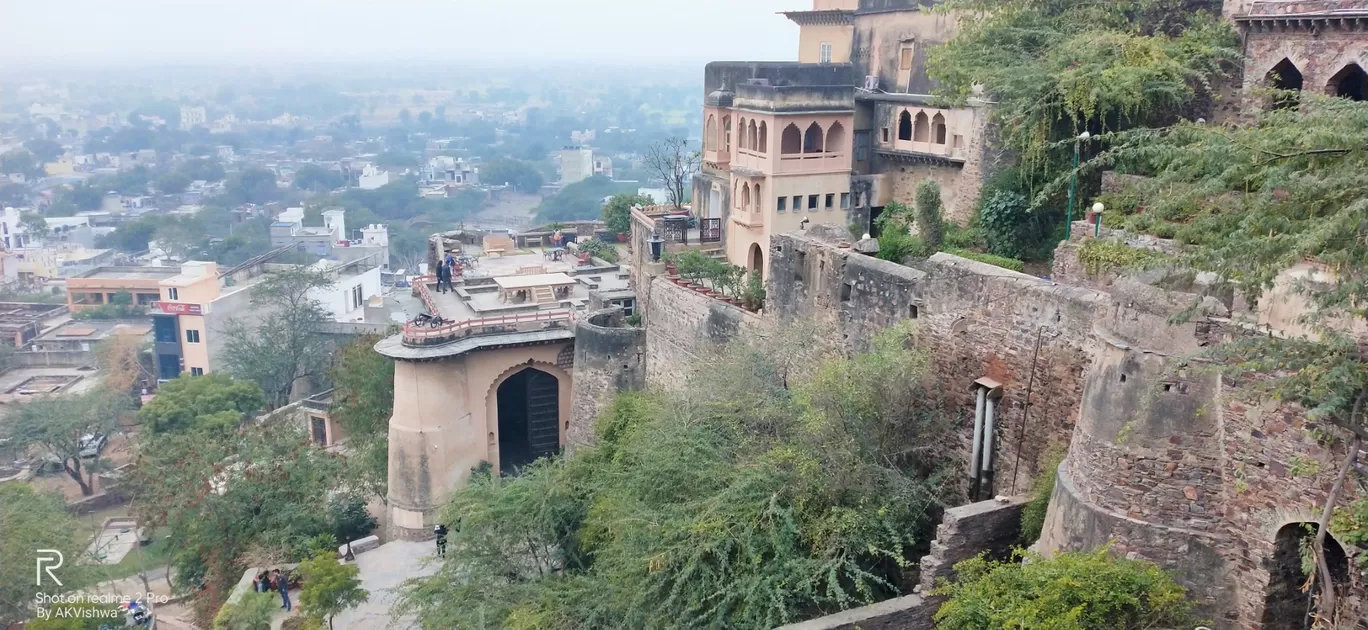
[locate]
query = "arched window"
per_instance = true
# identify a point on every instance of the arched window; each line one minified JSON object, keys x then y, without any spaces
{"x":792,"y":140}
{"x":835,"y":140}
{"x":745,"y":197}
{"x":710,"y":133}
{"x":1350,"y":82}
{"x":905,"y":126}
{"x":1285,"y":76}
{"x":726,"y":133}
{"x":741,"y":136}
{"x":812,"y":139}
{"x":763,"y":145}
{"x":756,"y":197}
{"x":753,"y":136}
{"x":921,"y":128}
{"x":938,"y":129}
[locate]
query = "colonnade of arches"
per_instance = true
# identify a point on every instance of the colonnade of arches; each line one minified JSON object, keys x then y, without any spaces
{"x":1350,"y":82}
{"x":921,"y":128}
{"x":753,"y":135}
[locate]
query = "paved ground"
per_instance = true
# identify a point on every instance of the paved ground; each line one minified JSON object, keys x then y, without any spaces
{"x":383,"y":569}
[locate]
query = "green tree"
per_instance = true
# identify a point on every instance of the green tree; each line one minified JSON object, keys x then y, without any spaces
{"x":20,"y":161}
{"x":330,"y":587}
{"x":43,"y":150}
{"x":225,"y":497}
{"x":522,"y":176}
{"x":173,"y":183}
{"x":1056,"y":68}
{"x":59,"y":426}
{"x":1070,"y":591}
{"x":286,"y":344}
{"x":580,"y":201}
{"x":211,"y":402}
{"x":617,"y":213}
{"x":316,"y":178}
{"x":30,"y":520}
{"x":14,"y":195}
{"x":1251,"y":201}
{"x":252,"y":612}
{"x":252,"y":185}
{"x":896,"y":242}
{"x":206,"y":169}
{"x":782,"y":480}
{"x":930,"y":225}
{"x":35,"y":226}
{"x":131,"y":236}
{"x":363,"y":400}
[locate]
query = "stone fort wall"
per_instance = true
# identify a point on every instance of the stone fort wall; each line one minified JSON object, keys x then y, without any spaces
{"x":1167,"y":460}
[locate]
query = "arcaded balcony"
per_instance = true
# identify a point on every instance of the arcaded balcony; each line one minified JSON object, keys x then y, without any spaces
{"x":717,"y":137}
{"x":822,"y":146}
{"x":927,"y":131}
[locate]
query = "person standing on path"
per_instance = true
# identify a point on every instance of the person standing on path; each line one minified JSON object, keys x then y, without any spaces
{"x":441,"y":532}
{"x":283,"y":585}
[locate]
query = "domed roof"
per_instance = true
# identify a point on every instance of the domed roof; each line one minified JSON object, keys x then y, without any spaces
{"x":721,"y":97}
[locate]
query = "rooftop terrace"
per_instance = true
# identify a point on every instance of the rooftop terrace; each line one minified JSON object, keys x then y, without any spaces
{"x":131,"y":273}
{"x":518,"y":292}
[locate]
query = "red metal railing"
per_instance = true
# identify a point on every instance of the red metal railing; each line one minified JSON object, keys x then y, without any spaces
{"x":422,"y":335}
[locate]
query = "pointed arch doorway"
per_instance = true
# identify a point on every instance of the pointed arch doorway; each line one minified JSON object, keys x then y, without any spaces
{"x":529,"y":417}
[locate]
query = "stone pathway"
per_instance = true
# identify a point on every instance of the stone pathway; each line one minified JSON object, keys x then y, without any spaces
{"x":383,"y":569}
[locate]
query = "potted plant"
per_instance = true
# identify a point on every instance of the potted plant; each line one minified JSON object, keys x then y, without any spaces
{"x":754,"y":296}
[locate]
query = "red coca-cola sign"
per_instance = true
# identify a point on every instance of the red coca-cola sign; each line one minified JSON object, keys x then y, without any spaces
{"x":179,"y":308}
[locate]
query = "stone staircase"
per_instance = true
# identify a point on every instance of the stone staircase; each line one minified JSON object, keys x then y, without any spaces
{"x":544,"y":297}
{"x":715,"y":253}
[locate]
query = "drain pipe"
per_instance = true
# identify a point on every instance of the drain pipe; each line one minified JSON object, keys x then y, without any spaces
{"x":987,"y":391}
{"x":982,"y":396}
{"x":986,"y":474}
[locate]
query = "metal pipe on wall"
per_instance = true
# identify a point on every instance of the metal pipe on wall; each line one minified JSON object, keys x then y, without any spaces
{"x":982,"y":398}
{"x":986,"y":473}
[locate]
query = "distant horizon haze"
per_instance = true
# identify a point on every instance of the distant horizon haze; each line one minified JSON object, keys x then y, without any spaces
{"x":89,"y":35}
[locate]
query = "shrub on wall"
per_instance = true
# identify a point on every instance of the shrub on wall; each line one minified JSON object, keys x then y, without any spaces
{"x":1005,"y":263}
{"x":1082,"y":591}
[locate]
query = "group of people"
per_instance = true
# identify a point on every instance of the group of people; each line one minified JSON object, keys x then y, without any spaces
{"x":446,"y":268}
{"x":274,"y":580}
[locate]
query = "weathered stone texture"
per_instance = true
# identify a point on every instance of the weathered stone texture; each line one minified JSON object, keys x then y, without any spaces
{"x":975,"y":319}
{"x":683,"y":326}
{"x":610,"y":358}
{"x":1318,"y":54}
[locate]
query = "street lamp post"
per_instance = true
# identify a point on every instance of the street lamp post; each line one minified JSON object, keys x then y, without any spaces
{"x":1097,"y":212}
{"x":1073,"y":185}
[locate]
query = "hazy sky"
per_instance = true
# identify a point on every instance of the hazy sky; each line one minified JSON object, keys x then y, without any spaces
{"x":481,"y":32}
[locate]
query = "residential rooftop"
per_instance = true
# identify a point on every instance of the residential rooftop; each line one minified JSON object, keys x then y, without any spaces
{"x":131,"y":273}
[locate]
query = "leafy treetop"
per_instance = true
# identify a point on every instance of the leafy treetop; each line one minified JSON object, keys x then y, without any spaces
{"x":208,"y":402}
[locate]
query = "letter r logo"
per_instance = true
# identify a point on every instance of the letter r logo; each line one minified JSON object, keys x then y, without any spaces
{"x":48,"y":559}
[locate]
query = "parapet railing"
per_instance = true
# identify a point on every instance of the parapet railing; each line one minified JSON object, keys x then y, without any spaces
{"x":424,"y":334}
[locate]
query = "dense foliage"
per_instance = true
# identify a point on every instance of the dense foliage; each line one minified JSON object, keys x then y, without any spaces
{"x":780,"y":483}
{"x":212,"y":402}
{"x":363,"y":399}
{"x":330,"y":587}
{"x":1056,"y":68}
{"x":930,"y":224}
{"x":29,"y":520}
{"x":57,"y":427}
{"x":231,"y":499}
{"x":617,"y":213}
{"x":1069,"y":591}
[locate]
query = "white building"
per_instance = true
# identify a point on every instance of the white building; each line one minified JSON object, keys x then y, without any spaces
{"x":576,"y":165}
{"x":354,"y":285}
{"x":372,"y":177}
{"x":191,"y":117}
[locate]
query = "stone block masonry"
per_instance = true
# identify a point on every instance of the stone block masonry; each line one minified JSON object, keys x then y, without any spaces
{"x":974,"y":319}
{"x":684,"y":327}
{"x":610,"y":358}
